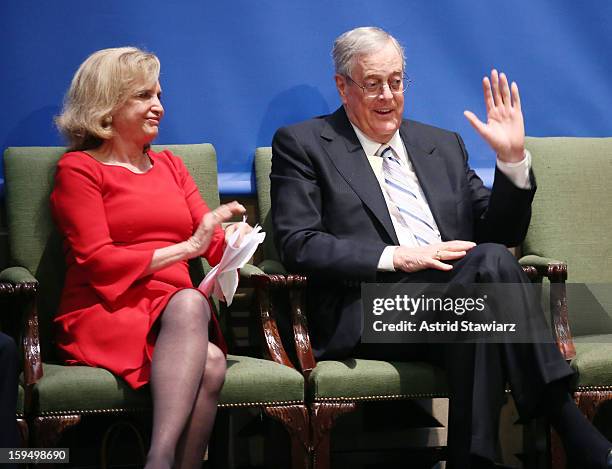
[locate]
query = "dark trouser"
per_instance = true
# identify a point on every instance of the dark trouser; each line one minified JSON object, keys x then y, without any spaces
{"x":477,"y":373}
{"x":8,"y":392}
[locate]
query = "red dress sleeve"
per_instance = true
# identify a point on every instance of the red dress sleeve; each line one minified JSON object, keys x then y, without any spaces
{"x":198,"y":209}
{"x":78,"y":210}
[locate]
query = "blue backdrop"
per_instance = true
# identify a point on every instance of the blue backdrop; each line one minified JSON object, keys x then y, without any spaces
{"x":231,"y":75}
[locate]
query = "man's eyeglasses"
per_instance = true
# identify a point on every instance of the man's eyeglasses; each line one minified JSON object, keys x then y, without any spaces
{"x":374,"y":88}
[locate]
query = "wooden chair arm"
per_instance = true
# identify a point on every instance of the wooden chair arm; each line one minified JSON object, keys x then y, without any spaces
{"x":296,"y":287}
{"x":297,"y":298}
{"x":556,"y":273}
{"x":25,"y":294}
{"x":264,"y":286}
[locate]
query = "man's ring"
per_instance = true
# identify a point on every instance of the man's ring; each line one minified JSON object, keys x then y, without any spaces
{"x":437,"y":255}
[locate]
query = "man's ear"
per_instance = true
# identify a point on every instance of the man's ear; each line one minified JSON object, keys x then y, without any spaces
{"x":341,"y":85}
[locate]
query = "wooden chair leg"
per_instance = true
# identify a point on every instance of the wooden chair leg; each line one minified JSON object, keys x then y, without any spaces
{"x":296,"y":421}
{"x":322,"y":418}
{"x":589,"y":401}
{"x":47,"y":431}
{"x":24,"y":434}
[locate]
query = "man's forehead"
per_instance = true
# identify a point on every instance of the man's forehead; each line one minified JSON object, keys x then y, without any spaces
{"x":384,"y":61}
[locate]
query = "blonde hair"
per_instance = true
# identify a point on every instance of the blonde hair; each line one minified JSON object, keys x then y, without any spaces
{"x":101,"y":85}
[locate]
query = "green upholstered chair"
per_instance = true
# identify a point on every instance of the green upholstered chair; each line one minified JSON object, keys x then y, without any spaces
{"x":263,"y":165}
{"x":336,"y":387}
{"x":57,"y":396}
{"x":571,"y":226}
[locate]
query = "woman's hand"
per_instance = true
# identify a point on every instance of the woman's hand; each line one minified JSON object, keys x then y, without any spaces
{"x":242,"y":228}
{"x":199,"y":241}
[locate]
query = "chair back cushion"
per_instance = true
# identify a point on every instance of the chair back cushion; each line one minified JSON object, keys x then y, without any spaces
{"x":35,"y":244}
{"x":263,"y":166}
{"x":29,"y":173}
{"x":201,"y":161}
{"x":572,"y":222}
{"x":572,"y":208}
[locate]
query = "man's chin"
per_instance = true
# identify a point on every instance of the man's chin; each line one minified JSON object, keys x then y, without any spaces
{"x":386,"y":123}
{"x":386,"y":132}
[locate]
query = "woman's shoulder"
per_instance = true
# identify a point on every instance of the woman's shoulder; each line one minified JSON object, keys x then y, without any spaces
{"x":167,"y":158}
{"x":80,"y":163}
{"x":76,"y":170}
{"x":77,"y":160}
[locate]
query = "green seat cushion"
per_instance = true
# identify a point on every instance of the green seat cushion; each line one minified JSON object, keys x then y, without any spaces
{"x":360,"y":379}
{"x":82,"y":389}
{"x":255,"y":381}
{"x":593,"y":360}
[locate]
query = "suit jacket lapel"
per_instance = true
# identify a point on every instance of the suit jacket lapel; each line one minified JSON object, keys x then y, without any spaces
{"x":431,"y":172}
{"x":347,"y":155}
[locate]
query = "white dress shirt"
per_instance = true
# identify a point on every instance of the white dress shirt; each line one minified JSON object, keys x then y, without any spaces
{"x":518,"y":173}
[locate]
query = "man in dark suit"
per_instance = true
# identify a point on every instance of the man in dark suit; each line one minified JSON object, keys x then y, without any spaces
{"x":8,"y":392}
{"x":363,"y":195}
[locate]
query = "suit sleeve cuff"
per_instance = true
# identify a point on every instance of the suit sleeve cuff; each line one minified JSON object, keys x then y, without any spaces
{"x":518,"y":173}
{"x":385,"y":263}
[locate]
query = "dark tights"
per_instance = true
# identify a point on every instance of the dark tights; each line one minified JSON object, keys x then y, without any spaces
{"x":187,"y":373}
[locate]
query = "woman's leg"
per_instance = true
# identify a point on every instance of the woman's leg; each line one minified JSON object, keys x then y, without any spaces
{"x":196,"y":434}
{"x":177,"y":368}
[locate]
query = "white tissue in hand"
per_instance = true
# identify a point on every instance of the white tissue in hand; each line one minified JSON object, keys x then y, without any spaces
{"x":222,"y":280}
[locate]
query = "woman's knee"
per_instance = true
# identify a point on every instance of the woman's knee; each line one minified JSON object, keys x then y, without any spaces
{"x":214,"y":373}
{"x":187,"y":306}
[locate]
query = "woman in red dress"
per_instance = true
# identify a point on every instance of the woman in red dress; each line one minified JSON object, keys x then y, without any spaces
{"x":131,"y":219}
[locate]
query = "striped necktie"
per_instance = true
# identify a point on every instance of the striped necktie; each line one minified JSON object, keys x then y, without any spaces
{"x":404,"y":195}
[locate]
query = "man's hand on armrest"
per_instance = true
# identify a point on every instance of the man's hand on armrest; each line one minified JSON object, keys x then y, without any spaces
{"x":413,"y":259}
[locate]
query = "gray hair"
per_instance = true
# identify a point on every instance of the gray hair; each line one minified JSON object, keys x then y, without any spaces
{"x":101,"y":85}
{"x":360,"y":41}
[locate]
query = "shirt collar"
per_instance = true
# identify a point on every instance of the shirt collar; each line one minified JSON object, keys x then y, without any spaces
{"x":371,"y":147}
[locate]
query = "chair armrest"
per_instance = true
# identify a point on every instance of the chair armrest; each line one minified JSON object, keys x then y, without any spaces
{"x":19,"y":277}
{"x":555,"y":271}
{"x":265,"y":285}
{"x":297,"y":298}
{"x":295,"y":286}
{"x":273,"y":267}
{"x":248,"y":270}
{"x":266,"y":267}
{"x":19,"y":283}
{"x":544,"y":266}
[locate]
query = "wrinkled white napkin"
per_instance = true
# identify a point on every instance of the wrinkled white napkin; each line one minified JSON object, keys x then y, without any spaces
{"x":222,"y":280}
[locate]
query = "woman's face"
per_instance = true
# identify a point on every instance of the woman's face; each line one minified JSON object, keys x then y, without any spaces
{"x":138,"y":118}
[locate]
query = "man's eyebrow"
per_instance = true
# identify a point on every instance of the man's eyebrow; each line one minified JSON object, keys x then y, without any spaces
{"x":380,"y":75}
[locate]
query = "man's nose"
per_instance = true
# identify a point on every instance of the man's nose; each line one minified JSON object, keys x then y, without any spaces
{"x":385,"y":91}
